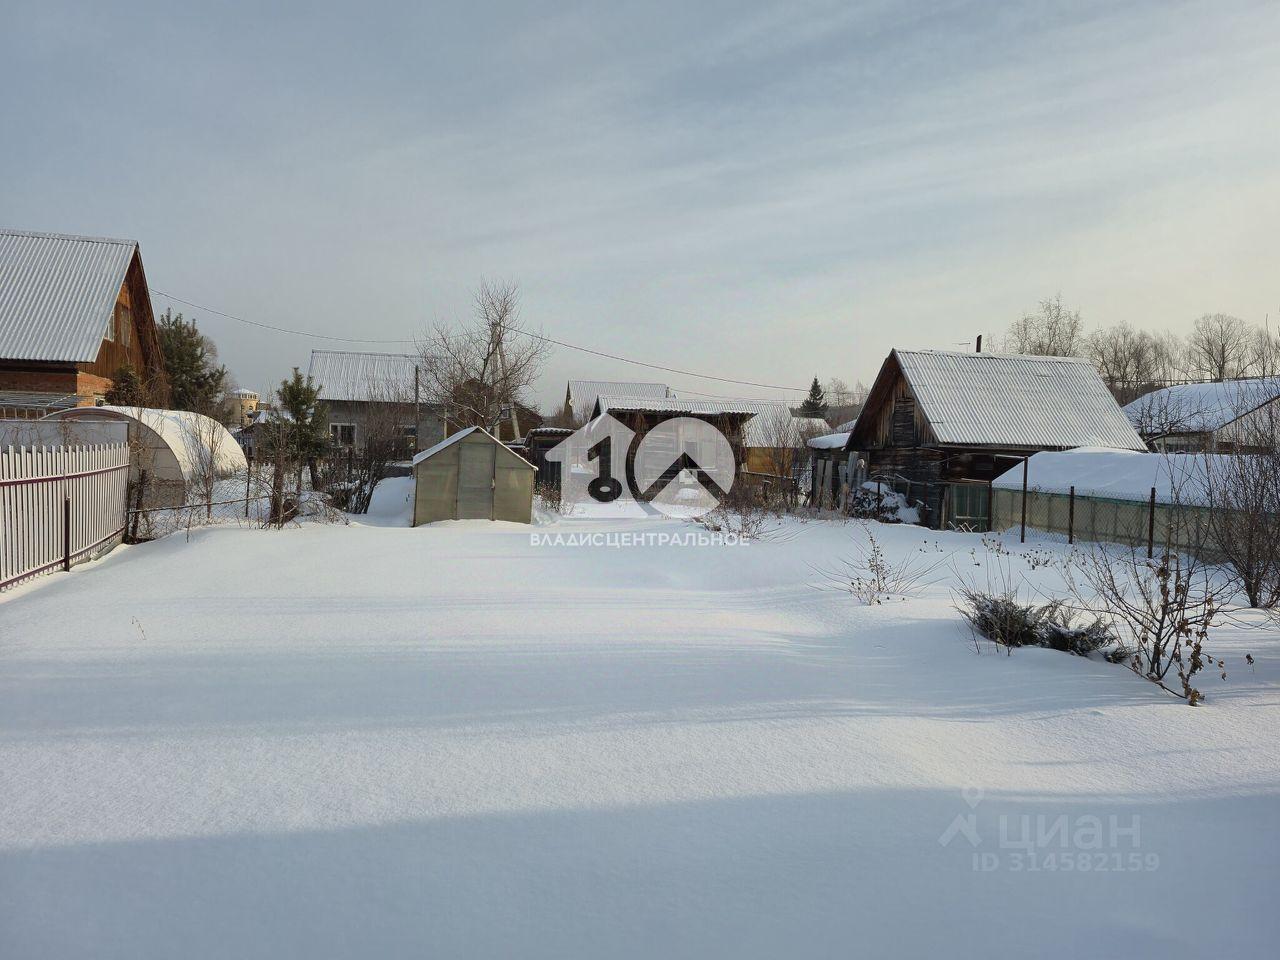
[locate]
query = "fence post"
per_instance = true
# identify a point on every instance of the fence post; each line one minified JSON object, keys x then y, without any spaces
{"x":991,"y":505}
{"x":1151,"y":525}
{"x":66,"y":534}
{"x":1025,"y":461}
{"x":1071,"y":515}
{"x":248,"y":476}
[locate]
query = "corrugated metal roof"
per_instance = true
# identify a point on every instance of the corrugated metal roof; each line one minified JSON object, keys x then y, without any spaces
{"x":1200,"y":407}
{"x":1002,"y":400}
{"x":57,"y":293}
{"x":344,"y":375}
{"x":584,"y":393}
{"x":772,"y":423}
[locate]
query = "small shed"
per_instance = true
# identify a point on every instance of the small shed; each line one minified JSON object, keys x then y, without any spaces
{"x":178,"y":449}
{"x":472,"y":475}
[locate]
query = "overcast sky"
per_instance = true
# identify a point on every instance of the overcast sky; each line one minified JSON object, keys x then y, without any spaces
{"x":756,"y":191}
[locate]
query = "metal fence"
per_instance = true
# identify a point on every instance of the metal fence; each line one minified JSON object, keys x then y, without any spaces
{"x":59,"y":507}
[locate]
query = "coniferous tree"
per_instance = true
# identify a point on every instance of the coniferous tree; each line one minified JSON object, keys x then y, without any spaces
{"x":196,"y":379}
{"x":815,"y":404}
{"x":308,"y":418}
{"x":126,"y":388}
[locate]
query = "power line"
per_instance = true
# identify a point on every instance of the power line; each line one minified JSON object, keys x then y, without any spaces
{"x":535,"y":336}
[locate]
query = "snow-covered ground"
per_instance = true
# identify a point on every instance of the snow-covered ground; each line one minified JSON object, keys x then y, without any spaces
{"x":364,"y":740}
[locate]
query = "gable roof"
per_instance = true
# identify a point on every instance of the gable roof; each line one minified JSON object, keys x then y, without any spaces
{"x":1005,"y":400}
{"x":364,"y":377}
{"x":57,"y":293}
{"x":761,"y":430}
{"x":1200,"y":407}
{"x":449,"y":441}
{"x":584,"y":393}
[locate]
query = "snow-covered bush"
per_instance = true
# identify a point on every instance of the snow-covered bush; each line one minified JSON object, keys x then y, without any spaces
{"x":884,"y":504}
{"x":1003,"y":619}
{"x":1061,"y":633}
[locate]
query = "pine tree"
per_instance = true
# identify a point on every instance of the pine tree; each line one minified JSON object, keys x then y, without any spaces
{"x":815,"y":404}
{"x":308,"y":420}
{"x":126,"y":388}
{"x":196,"y":379}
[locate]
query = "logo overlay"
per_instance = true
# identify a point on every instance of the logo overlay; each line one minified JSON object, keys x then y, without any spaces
{"x":683,"y":467}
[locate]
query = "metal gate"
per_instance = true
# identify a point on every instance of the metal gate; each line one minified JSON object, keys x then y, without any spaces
{"x":475,"y":481}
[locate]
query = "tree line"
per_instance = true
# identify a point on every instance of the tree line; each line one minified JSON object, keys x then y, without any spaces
{"x":1134,"y":362}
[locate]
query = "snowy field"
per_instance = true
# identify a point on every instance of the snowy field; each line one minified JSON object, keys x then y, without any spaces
{"x":370,"y":741}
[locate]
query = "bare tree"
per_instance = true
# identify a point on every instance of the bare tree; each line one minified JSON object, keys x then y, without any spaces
{"x":1243,"y":493}
{"x":205,"y":438}
{"x":1131,"y":362}
{"x":480,"y":372}
{"x":1220,"y":347}
{"x":1163,"y":609}
{"x":1052,"y":331}
{"x":385,"y":438}
{"x":1265,"y":350}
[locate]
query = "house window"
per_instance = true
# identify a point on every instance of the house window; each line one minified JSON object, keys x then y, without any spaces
{"x":111,"y":326}
{"x":343,"y":434}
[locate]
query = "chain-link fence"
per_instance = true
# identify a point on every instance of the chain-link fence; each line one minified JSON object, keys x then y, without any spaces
{"x":1090,"y":519}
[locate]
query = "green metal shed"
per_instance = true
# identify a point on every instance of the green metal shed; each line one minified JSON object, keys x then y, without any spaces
{"x":472,"y":475}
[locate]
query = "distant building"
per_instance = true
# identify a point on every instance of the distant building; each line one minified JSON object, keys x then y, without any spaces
{"x":73,"y":311}
{"x":361,"y":390}
{"x":1235,"y":416}
{"x":240,"y":407}
{"x":580,"y":396}
{"x":939,"y":426}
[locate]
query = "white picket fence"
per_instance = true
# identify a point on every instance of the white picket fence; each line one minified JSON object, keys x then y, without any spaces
{"x":59,"y":506}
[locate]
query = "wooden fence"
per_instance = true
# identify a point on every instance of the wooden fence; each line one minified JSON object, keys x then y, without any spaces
{"x":59,"y":506}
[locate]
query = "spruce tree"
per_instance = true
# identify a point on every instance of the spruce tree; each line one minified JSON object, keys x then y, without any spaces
{"x":815,"y":404}
{"x":196,"y":379}
{"x":308,"y":420}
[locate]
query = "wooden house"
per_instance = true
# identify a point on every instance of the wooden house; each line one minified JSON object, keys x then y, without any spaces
{"x":1235,"y":416}
{"x":73,"y":312}
{"x":939,"y":426}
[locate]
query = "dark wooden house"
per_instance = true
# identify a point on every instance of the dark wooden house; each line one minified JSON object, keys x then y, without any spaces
{"x":73,"y":312}
{"x":939,"y":426}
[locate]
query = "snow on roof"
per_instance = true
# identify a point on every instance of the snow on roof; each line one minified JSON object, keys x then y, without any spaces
{"x":1006,"y":400}
{"x":1199,"y":407}
{"x":830,"y":441}
{"x":584,"y":393}
{"x":186,"y":434}
{"x":57,"y":293}
{"x":363,"y":377}
{"x":1116,"y":474}
{"x":449,"y":441}
{"x":772,"y":423}
{"x":847,"y":426}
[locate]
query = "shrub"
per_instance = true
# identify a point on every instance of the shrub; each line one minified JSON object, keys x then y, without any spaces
{"x":1059,"y":633}
{"x":1003,"y":619}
